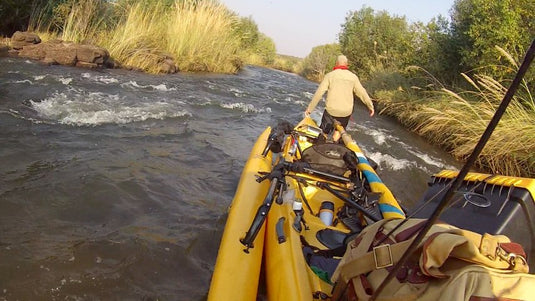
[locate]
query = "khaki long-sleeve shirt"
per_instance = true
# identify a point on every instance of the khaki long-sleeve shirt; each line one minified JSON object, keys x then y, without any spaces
{"x":340,"y":86}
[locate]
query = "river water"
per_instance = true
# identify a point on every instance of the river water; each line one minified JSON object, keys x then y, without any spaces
{"x":114,"y":184}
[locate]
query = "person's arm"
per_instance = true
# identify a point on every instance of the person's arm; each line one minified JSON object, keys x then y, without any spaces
{"x":322,"y":88}
{"x":361,"y":93}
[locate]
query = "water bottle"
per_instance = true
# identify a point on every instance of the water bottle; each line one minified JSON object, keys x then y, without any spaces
{"x":327,"y":212}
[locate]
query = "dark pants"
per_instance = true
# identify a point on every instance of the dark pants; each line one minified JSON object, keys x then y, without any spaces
{"x":327,"y":122}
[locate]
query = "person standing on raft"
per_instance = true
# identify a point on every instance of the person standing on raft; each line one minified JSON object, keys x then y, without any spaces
{"x":340,"y":85}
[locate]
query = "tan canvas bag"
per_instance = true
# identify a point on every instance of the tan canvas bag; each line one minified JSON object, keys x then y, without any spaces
{"x":450,"y":264}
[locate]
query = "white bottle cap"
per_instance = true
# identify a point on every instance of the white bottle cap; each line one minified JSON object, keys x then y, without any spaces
{"x":297,"y":205}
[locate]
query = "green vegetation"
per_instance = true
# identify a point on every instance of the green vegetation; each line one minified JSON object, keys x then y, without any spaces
{"x":14,"y":15}
{"x":320,"y":60}
{"x":480,"y":25}
{"x":456,"y":121}
{"x":198,"y":35}
{"x":376,"y":41}
{"x":287,"y":63}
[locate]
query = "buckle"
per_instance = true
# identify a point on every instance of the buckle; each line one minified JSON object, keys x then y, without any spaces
{"x":383,"y":256}
{"x":511,"y":258}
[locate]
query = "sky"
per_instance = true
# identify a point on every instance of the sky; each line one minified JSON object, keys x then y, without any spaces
{"x":296,"y":26}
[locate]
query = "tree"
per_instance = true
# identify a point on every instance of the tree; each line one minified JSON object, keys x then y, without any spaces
{"x":259,"y":48}
{"x":435,"y":50}
{"x":15,"y":15}
{"x":373,"y":41}
{"x":247,"y":32}
{"x":319,"y":61}
{"x":265,"y":48}
{"x":480,"y":25}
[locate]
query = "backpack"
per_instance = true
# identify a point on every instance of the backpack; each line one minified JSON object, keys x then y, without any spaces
{"x":449,"y":264}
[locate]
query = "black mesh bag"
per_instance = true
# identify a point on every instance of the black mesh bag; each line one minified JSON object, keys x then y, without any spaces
{"x":331,"y":158}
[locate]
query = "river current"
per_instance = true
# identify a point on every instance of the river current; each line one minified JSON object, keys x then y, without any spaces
{"x":114,"y":184}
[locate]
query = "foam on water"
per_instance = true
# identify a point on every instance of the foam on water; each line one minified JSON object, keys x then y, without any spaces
{"x":246,"y":108}
{"x":431,"y":160}
{"x":18,"y":114}
{"x":100,"y":108}
{"x":64,"y":80}
{"x":382,"y":137}
{"x":36,"y":78}
{"x":308,"y":94}
{"x":24,"y":81}
{"x":160,"y":87}
{"x":379,"y":137}
{"x":100,"y":78}
{"x":426,"y":158}
{"x":237,"y":92}
{"x":387,"y":161}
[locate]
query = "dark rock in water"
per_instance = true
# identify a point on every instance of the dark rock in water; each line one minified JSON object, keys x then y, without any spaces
{"x":4,"y":50}
{"x":21,"y":39}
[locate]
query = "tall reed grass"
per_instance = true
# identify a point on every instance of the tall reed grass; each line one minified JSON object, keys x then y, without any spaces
{"x":196,"y":34}
{"x":456,"y":121}
{"x":83,"y":22}
{"x":199,"y":33}
{"x":137,"y":40}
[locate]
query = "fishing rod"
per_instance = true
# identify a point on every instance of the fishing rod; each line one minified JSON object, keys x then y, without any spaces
{"x":530,"y":54}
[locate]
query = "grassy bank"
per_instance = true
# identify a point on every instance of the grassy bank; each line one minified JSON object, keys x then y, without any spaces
{"x":193,"y":35}
{"x":455,"y":120}
{"x":196,"y":35}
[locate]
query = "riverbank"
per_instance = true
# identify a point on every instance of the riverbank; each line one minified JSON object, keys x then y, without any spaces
{"x":154,"y":36}
{"x":456,"y":119}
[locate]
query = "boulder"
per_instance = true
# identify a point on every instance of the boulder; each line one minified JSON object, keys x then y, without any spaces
{"x":167,"y":65}
{"x":91,"y":54}
{"x":21,"y":39}
{"x":66,"y":53}
{"x":34,"y":52}
{"x":86,"y":65}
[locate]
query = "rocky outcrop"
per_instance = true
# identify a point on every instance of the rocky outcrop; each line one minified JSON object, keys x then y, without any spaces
{"x":66,"y":53}
{"x":21,"y":39}
{"x":29,"y":45}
